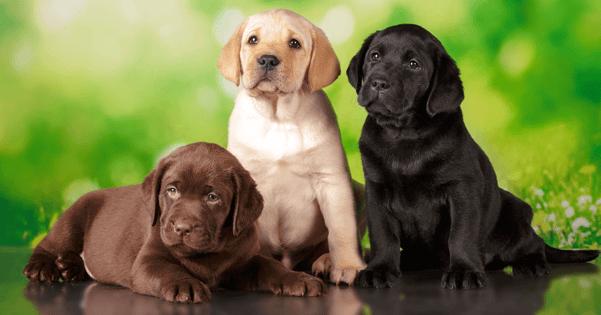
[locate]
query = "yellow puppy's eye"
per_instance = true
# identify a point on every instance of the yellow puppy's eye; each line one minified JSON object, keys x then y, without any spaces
{"x":375,"y":56}
{"x":253,"y":40}
{"x":294,"y":43}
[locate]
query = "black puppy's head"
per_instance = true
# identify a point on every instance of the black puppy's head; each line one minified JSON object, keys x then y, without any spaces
{"x":202,"y":197}
{"x":404,"y":72}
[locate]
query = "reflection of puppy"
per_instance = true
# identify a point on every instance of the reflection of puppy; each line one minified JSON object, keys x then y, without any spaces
{"x":205,"y":204}
{"x":284,"y":131}
{"x":430,"y":189}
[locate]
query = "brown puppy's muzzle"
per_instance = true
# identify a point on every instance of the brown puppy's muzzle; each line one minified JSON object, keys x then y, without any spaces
{"x":268,"y":62}
{"x":186,"y":231}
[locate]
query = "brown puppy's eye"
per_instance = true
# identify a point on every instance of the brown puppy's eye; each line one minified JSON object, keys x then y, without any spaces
{"x":294,"y":43}
{"x":172,"y":190}
{"x":212,"y":197}
{"x":413,"y":64}
{"x":375,"y":56}
{"x":253,"y":40}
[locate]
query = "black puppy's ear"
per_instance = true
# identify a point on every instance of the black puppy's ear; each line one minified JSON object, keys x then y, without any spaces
{"x":151,"y":188}
{"x":354,"y":72}
{"x":446,"y":89}
{"x":248,"y":202}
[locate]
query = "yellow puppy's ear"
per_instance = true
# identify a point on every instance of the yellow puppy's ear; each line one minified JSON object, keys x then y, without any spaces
{"x":229,"y":61}
{"x":324,"y":67}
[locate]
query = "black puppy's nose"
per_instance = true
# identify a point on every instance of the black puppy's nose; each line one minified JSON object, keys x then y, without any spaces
{"x":268,"y":62}
{"x":182,"y":228}
{"x":380,"y":85}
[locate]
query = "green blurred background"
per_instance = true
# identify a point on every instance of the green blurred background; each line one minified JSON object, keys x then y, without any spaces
{"x":92,"y":92}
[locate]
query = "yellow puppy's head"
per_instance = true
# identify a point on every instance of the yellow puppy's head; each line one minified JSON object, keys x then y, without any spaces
{"x":279,"y":51}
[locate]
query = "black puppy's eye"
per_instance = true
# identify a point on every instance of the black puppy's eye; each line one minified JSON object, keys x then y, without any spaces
{"x":253,"y":40}
{"x":375,"y":56}
{"x":413,"y":64}
{"x":294,"y":43}
{"x":212,"y":197}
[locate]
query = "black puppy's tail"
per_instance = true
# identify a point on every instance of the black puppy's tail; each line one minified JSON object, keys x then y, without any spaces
{"x":555,"y":255}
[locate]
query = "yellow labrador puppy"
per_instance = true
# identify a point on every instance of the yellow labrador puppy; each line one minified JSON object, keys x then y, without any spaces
{"x":284,"y":131}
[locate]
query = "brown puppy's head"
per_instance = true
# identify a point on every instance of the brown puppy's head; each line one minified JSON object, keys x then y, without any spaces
{"x":278,"y":52}
{"x":200,"y":194}
{"x":403,"y":73}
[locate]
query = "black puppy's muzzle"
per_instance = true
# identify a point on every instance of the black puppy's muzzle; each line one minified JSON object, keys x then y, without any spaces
{"x":376,"y":88}
{"x":268,"y":62}
{"x":380,"y":85}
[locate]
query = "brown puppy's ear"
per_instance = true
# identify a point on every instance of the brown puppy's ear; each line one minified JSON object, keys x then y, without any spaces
{"x":354,"y":72}
{"x":446,"y":92}
{"x":248,"y":202}
{"x":151,"y":188}
{"x":229,"y":61}
{"x":324,"y":67}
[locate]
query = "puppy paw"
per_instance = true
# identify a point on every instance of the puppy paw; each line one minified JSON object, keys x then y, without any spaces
{"x":321,"y":267}
{"x":189,"y":290}
{"x":71,"y":267}
{"x":300,"y":284}
{"x":463,"y":280}
{"x":374,"y":278}
{"x":41,"y":269}
{"x":531,"y":266}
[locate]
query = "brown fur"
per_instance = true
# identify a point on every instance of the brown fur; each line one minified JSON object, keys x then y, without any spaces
{"x":200,"y":233}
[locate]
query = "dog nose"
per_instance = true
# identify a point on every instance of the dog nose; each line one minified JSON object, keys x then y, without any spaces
{"x":182,"y":228}
{"x":268,"y":62}
{"x":380,"y":85}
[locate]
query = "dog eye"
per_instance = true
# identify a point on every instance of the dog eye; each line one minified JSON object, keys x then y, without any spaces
{"x":212,"y":197}
{"x":413,"y":64}
{"x":294,"y":43}
{"x":375,"y":56}
{"x":172,"y":190}
{"x":253,"y":40}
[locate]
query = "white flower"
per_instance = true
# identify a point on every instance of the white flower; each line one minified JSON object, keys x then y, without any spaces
{"x":539,"y":192}
{"x":598,"y":201}
{"x":585,"y":199}
{"x":580,"y":222}
{"x":538,"y":206}
{"x":565,"y":203}
{"x":569,"y":212}
{"x":593,"y":208}
{"x":551,"y":217}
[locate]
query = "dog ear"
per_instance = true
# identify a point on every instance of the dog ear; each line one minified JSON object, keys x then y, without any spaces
{"x":229,"y":61}
{"x":151,"y":188}
{"x":248,"y":202}
{"x":446,"y":92}
{"x":324,"y":67}
{"x":354,"y":72}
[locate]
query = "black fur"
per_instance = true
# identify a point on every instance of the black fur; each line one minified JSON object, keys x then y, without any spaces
{"x":430,"y":189}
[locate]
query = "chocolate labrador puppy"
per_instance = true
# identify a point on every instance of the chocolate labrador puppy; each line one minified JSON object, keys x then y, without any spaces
{"x":430,"y":189}
{"x":189,"y":226}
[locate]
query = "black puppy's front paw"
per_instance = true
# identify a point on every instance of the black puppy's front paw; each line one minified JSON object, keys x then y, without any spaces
{"x":374,"y":278}
{"x":189,"y":290}
{"x":466,"y":279}
{"x":531,"y":266}
{"x":71,"y":267}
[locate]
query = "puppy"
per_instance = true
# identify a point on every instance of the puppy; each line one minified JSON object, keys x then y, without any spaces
{"x":284,"y":131}
{"x":430,"y":189}
{"x":200,"y":233}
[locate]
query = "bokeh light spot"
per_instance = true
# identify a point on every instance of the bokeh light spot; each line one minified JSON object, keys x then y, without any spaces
{"x":77,"y":189}
{"x":517,"y":54}
{"x":226,"y":23}
{"x":338,"y":24}
{"x":55,"y":14}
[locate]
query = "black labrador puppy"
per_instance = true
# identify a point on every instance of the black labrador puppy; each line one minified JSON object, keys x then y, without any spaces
{"x":430,"y":189}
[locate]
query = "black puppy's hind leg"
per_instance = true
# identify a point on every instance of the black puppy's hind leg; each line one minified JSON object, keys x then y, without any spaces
{"x":57,"y":255}
{"x":384,"y":268}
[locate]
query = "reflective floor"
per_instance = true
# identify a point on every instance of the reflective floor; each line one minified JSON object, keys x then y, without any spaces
{"x":570,"y":288}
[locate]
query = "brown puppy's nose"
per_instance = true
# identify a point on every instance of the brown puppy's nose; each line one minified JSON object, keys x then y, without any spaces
{"x":380,"y":85}
{"x":268,"y":62}
{"x":182,"y":228}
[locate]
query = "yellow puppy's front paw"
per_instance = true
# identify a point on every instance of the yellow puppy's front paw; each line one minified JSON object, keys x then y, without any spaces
{"x":321,"y":267}
{"x":340,"y":273}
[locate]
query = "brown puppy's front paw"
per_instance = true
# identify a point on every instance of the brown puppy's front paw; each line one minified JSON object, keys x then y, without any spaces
{"x":71,"y":267}
{"x":186,"y":291}
{"x":463,"y":280}
{"x":300,"y":284}
{"x":42,"y":269}
{"x":374,"y":278}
